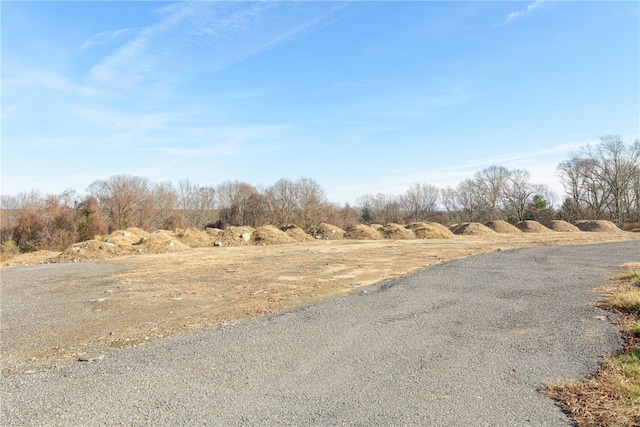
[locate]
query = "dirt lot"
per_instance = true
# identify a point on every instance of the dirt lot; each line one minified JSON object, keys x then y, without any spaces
{"x":158,"y":295}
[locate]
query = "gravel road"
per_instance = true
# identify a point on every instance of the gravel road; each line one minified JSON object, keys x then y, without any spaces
{"x":465,"y":343}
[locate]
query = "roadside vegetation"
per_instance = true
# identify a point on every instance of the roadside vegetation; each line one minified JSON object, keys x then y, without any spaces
{"x":600,"y":183}
{"x":611,"y":397}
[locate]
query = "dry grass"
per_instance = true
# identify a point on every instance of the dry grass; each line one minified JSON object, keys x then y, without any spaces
{"x":611,"y":397}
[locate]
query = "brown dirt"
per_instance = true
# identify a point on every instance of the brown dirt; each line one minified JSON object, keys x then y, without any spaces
{"x":128,"y":237}
{"x":160,"y":242}
{"x":90,"y":250}
{"x":396,"y":232}
{"x":532,"y":227}
{"x":296,"y":233}
{"x":503,"y":227}
{"x":232,"y":236}
{"x":429,"y":230}
{"x":362,"y":232}
{"x":168,"y":294}
{"x":270,"y":235}
{"x":598,"y":226}
{"x":472,"y":229}
{"x":194,"y":238}
{"x":327,"y":232}
{"x":562,"y":226}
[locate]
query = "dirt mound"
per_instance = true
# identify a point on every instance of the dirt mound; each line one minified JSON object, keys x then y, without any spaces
{"x":562,"y":226}
{"x":396,"y":232}
{"x":472,"y":229}
{"x":296,"y":233}
{"x":161,"y":241}
{"x":362,"y":232}
{"x":89,"y":250}
{"x":213,"y":232}
{"x":634,"y":227}
{"x":193,"y":237}
{"x":429,"y":230}
{"x":598,"y":226}
{"x":503,"y":227}
{"x":532,"y":227}
{"x":231,"y":236}
{"x":128,"y":237}
{"x":270,"y":235}
{"x":327,"y":232}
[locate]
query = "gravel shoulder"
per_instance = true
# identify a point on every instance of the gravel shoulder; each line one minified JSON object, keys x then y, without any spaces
{"x":467,"y":342}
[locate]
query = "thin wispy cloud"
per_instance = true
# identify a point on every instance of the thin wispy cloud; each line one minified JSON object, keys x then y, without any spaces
{"x":201,"y":37}
{"x":105,"y":38}
{"x":532,"y":7}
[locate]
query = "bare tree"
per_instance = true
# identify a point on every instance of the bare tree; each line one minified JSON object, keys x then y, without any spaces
{"x":517,"y":194}
{"x":310,"y":202}
{"x":491,"y":183}
{"x":420,"y":201}
{"x":381,"y":208}
{"x":600,"y":182}
{"x":196,"y":203}
{"x":468,"y":200}
{"x":282,"y":197}
{"x":123,"y":200}
{"x":233,"y":202}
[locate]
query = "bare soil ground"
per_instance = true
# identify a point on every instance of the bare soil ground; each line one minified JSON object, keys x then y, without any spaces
{"x":168,"y":294}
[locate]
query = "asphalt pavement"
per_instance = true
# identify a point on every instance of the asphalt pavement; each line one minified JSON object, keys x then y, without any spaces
{"x":464,"y":343}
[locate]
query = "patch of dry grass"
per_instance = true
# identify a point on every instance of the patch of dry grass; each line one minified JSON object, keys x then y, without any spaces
{"x":611,"y":397}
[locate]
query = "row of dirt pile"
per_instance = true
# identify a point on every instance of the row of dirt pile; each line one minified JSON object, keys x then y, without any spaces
{"x":137,"y":241}
{"x":503,"y":227}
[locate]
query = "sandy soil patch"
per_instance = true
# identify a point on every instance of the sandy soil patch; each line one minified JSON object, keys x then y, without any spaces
{"x":173,"y":293}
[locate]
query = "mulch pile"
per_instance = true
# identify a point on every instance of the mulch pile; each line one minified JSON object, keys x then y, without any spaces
{"x":472,"y":229}
{"x":562,"y":226}
{"x":327,"y":232}
{"x":270,"y":235}
{"x":362,"y":232}
{"x":599,"y":226}
{"x":89,"y":250}
{"x":429,"y":230}
{"x":130,"y":236}
{"x":503,"y":227}
{"x":532,"y":227}
{"x":396,"y":232}
{"x":194,"y":238}
{"x":161,"y":241}
{"x":231,"y":236}
{"x":296,"y":233}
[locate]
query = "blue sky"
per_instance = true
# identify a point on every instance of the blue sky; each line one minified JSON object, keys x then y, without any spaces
{"x":363,"y":97}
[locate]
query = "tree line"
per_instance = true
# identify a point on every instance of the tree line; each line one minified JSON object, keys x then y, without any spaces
{"x":600,"y":182}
